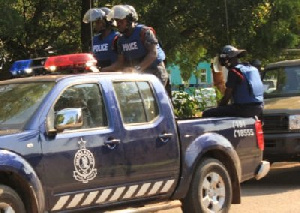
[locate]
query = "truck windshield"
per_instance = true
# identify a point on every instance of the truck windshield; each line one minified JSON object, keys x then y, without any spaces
{"x":282,"y":81}
{"x":19,"y":102}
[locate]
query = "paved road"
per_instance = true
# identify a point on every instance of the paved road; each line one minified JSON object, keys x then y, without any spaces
{"x":278,"y":192}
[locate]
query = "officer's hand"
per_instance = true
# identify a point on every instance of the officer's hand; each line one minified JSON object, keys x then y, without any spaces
{"x":128,"y":69}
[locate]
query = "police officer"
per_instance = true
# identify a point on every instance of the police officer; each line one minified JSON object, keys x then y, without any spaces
{"x":138,"y":47}
{"x":243,"y":85}
{"x":104,"y":41}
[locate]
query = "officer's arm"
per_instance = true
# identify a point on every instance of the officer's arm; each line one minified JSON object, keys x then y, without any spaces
{"x":234,"y":78}
{"x":150,"y":42}
{"x":150,"y":57}
{"x":227,"y":96}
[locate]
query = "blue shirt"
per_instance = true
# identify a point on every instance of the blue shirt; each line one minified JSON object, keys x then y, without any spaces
{"x":246,"y":84}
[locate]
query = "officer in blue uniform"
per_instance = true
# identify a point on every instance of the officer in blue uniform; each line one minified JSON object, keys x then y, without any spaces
{"x":243,"y":87}
{"x":138,"y":47}
{"x":104,"y":42}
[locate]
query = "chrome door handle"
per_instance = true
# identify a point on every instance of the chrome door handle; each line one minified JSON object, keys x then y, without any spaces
{"x":165,"y":137}
{"x":112,"y":143}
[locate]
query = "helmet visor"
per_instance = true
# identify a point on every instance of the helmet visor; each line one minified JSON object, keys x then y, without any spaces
{"x":93,"y":15}
{"x":118,"y":12}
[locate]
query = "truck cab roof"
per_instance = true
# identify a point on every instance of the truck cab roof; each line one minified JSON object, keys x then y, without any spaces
{"x":286,"y":63}
{"x":58,"y":77}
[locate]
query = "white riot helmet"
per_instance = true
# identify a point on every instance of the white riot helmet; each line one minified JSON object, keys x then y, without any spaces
{"x":122,"y":12}
{"x":95,"y":14}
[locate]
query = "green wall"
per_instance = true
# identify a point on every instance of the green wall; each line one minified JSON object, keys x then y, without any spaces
{"x":176,"y":79}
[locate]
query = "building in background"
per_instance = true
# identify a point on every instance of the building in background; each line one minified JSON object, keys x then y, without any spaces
{"x":203,"y":77}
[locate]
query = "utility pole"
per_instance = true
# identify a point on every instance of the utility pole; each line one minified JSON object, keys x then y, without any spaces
{"x":226,"y":18}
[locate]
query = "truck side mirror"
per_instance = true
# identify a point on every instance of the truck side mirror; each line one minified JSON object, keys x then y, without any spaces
{"x":68,"y":118}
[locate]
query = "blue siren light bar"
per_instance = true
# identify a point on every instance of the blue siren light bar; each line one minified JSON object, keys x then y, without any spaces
{"x":21,"y":67}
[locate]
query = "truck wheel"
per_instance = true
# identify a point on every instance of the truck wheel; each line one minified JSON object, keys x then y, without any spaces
{"x":210,"y":190}
{"x":10,"y":201}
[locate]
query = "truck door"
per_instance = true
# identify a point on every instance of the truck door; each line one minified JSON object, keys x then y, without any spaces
{"x":81,"y":162}
{"x":150,"y":139}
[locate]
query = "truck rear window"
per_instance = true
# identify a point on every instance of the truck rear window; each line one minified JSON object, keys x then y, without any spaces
{"x":19,"y":102}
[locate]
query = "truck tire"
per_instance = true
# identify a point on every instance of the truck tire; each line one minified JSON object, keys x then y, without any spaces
{"x":10,"y":201}
{"x":210,"y":190}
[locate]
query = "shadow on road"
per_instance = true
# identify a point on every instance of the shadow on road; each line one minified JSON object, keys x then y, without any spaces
{"x":283,"y":177}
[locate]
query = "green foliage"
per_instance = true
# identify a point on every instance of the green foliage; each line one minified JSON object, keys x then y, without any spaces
{"x":11,"y":23}
{"x":193,"y":30}
{"x":192,"y":102}
{"x":218,"y":95}
{"x":185,"y":106}
{"x":29,"y":26}
{"x":190,"y":31}
{"x":188,"y":65}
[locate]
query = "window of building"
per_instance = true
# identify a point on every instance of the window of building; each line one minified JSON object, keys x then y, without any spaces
{"x":202,"y":76}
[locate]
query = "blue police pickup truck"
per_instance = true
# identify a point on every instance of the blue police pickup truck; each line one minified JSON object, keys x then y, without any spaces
{"x":107,"y":141}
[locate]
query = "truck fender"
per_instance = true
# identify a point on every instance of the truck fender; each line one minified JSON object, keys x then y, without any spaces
{"x":207,"y":145}
{"x":11,"y":162}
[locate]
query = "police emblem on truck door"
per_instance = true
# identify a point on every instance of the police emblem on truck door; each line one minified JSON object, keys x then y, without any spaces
{"x":84,"y":163}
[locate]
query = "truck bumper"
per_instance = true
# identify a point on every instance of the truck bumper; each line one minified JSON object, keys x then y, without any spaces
{"x":262,"y":170}
{"x":282,"y":147}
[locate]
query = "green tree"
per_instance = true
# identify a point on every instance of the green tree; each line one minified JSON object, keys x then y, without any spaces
{"x":28,"y":27}
{"x":195,"y":30}
{"x":190,"y":31}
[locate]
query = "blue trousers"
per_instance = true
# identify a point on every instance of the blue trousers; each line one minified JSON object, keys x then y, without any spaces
{"x":235,"y":110}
